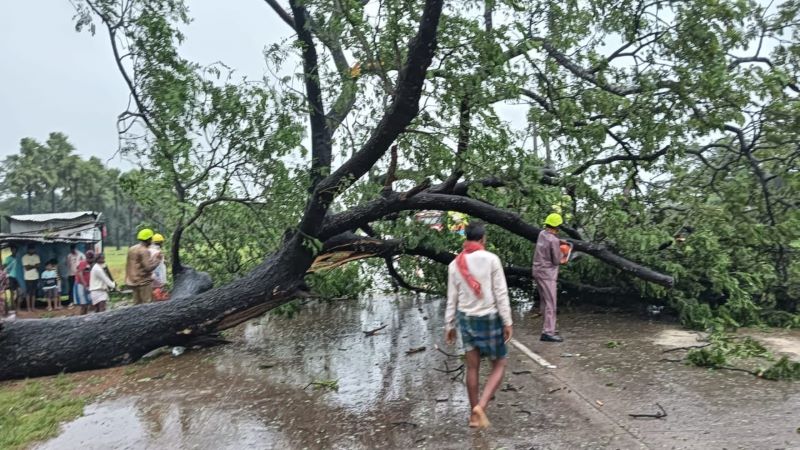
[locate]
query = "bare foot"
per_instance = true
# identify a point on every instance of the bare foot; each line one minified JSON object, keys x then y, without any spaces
{"x":483,"y":421}
{"x":474,"y":421}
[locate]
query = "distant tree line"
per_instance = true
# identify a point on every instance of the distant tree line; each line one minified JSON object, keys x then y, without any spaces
{"x":49,"y":178}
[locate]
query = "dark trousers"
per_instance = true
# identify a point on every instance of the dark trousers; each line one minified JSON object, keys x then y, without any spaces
{"x":70,"y":286}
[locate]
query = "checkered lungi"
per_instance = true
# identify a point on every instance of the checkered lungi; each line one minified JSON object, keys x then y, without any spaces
{"x":484,"y":333}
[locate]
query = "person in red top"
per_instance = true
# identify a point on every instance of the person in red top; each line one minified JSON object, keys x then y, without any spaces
{"x":81,"y":289}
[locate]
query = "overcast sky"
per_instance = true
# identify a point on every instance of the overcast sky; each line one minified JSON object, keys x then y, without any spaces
{"x":56,"y":79}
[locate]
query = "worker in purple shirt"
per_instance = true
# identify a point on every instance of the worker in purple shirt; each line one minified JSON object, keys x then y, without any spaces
{"x":546,"y":260}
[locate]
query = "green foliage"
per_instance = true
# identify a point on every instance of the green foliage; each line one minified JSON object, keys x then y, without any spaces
{"x":287,"y":310}
{"x":342,"y":282}
{"x":669,"y":132}
{"x":725,"y":348}
{"x":784,"y":369}
{"x":704,"y":357}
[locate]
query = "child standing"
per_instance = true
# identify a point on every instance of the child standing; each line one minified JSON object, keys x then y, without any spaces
{"x":99,"y":284}
{"x":51,"y":285}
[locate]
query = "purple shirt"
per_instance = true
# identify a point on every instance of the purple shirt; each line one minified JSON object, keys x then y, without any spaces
{"x":547,"y":256}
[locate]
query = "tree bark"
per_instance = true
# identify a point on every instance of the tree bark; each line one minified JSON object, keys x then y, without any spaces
{"x":510,"y":221}
{"x":124,"y":335}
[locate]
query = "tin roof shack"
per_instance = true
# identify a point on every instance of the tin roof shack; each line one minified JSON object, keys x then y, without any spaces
{"x":52,"y":235}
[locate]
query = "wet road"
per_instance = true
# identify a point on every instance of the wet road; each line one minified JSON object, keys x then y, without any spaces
{"x":255,"y":393}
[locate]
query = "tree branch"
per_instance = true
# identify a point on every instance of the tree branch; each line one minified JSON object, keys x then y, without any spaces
{"x":403,"y":109}
{"x":321,"y":148}
{"x":627,"y":157}
{"x":506,"y":219}
{"x":285,"y":16}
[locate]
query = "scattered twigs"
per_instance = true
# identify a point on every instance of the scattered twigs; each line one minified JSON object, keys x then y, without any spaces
{"x":511,"y":388}
{"x":670,"y":360}
{"x":659,"y":415}
{"x":324,"y":384}
{"x":552,"y":391}
{"x":448,"y":370}
{"x":736,"y":369}
{"x":405,"y":423}
{"x":521,"y":372}
{"x":458,"y":371}
{"x":449,"y":355}
{"x":685,"y":348}
{"x":373,"y":332}
{"x":411,"y":351}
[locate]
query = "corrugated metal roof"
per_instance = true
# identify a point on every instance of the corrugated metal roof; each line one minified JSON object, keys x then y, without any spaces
{"x":6,"y":239}
{"x":53,"y":216}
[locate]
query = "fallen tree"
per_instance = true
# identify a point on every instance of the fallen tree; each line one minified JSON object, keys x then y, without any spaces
{"x":165,"y":90}
{"x":122,"y":336}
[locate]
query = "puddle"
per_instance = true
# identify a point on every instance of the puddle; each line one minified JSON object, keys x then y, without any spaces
{"x":255,"y":393}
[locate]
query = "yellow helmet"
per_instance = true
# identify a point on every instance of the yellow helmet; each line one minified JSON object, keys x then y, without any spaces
{"x":554,"y":220}
{"x":144,"y":234}
{"x":158,"y":238}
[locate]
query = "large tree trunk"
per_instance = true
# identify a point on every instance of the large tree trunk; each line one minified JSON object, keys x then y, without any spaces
{"x":122,"y":336}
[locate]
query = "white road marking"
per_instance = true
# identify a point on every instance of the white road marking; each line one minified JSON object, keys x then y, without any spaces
{"x":530,"y":354}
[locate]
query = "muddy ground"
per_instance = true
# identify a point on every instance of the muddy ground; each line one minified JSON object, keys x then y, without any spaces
{"x":255,"y":392}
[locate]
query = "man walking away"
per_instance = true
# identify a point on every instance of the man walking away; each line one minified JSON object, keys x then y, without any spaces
{"x":546,"y":259}
{"x":74,"y":258}
{"x":99,"y":284}
{"x":139,"y":268}
{"x":30,"y":262}
{"x":477,"y":296}
{"x":15,"y":277}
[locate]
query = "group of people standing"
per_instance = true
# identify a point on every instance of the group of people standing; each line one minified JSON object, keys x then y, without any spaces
{"x":478,"y":302}
{"x":89,"y":280}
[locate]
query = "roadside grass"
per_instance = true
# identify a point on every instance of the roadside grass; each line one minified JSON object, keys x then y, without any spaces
{"x":32,"y":410}
{"x":115,"y":260}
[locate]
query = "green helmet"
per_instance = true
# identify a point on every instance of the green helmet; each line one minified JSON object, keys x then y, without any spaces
{"x":554,"y":220}
{"x":145,"y":234}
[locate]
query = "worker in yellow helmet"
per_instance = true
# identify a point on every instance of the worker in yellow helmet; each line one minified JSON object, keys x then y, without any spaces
{"x":546,"y":259}
{"x":160,"y":274}
{"x":139,"y":267}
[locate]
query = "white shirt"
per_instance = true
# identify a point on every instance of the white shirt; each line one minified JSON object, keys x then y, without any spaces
{"x":160,"y":272}
{"x":31,"y":260}
{"x":73,"y":259}
{"x":488,"y":271}
{"x":98,"y":280}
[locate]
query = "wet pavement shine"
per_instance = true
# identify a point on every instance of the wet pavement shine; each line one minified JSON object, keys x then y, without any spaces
{"x":257,"y":392}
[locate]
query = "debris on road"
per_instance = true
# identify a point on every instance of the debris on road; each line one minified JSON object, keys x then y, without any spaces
{"x":659,"y":415}
{"x":521,"y":372}
{"x":411,"y":351}
{"x":324,"y":384}
{"x":178,"y":350}
{"x":372,"y":332}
